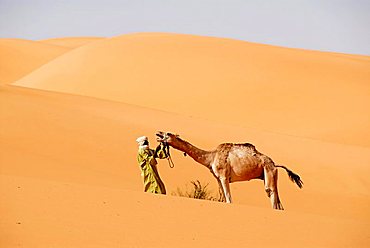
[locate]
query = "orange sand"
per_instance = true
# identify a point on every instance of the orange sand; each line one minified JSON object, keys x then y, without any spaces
{"x":68,"y":168}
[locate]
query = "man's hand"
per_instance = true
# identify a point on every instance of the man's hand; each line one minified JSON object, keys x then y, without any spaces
{"x":158,"y":148}
{"x":161,"y":151}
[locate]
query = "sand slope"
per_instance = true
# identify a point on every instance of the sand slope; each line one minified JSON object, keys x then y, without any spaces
{"x":71,"y":42}
{"x":19,"y":57}
{"x":302,"y":93}
{"x":69,"y":178}
{"x":69,"y":215}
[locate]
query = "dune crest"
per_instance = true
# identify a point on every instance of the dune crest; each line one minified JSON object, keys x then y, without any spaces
{"x":297,"y":92}
{"x":71,"y":42}
{"x":19,"y":57}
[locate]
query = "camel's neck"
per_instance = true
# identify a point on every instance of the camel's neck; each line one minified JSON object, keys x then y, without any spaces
{"x":203,"y":157}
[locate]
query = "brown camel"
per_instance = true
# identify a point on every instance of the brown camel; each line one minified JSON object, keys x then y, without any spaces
{"x":234,"y":162}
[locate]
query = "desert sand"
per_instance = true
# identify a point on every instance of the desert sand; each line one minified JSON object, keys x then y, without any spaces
{"x":69,"y":176}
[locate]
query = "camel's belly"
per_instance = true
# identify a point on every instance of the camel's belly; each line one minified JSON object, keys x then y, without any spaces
{"x":244,"y":169}
{"x":247,"y":175}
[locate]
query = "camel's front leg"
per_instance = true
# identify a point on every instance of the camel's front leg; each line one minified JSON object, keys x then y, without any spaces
{"x":226,"y":188}
{"x":221,"y":172}
{"x":221,"y":190}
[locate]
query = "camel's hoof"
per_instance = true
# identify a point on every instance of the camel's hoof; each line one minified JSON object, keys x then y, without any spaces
{"x":278,"y":206}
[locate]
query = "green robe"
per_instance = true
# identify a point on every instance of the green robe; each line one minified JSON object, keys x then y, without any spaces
{"x":146,"y":158}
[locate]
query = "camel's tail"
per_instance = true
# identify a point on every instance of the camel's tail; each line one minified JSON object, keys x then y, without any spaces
{"x":294,"y":177}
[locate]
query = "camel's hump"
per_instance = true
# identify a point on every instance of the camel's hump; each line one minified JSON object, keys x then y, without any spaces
{"x":230,"y":145}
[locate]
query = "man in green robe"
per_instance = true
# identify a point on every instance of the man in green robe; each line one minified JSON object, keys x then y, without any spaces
{"x":146,"y":158}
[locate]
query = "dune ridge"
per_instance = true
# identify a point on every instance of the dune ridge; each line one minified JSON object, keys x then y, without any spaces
{"x":194,"y":75}
{"x":71,"y":42}
{"x":19,"y":57}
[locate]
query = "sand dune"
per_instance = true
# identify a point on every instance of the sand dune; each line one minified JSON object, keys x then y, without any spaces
{"x":68,"y":170}
{"x":19,"y":57}
{"x":226,"y":80}
{"x":72,"y":161}
{"x":71,"y":42}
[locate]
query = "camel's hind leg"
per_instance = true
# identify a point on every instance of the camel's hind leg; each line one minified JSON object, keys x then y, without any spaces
{"x":271,"y":176}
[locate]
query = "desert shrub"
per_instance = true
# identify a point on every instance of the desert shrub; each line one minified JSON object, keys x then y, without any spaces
{"x":197,"y":191}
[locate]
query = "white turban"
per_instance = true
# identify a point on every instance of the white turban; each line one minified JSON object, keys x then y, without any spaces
{"x":141,"y":139}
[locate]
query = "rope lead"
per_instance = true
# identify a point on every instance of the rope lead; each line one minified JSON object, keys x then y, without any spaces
{"x":168,"y":155}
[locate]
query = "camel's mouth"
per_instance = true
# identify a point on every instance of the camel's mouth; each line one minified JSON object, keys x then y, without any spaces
{"x":165,"y":136}
{"x":160,"y":136}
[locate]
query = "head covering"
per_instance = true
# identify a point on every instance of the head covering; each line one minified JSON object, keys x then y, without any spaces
{"x":141,"y":139}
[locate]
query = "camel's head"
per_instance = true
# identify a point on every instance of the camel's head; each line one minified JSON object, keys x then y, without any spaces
{"x":166,"y":137}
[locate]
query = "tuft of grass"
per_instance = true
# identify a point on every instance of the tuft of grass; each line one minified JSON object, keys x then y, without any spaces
{"x":197,"y":191}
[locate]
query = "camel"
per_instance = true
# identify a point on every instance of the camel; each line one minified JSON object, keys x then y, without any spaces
{"x":231,"y":162}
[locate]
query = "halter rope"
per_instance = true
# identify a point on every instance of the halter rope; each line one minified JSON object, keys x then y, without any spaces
{"x":168,"y":154}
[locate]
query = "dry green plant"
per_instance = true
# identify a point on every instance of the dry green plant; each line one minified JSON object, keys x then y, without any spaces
{"x":197,"y":191}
